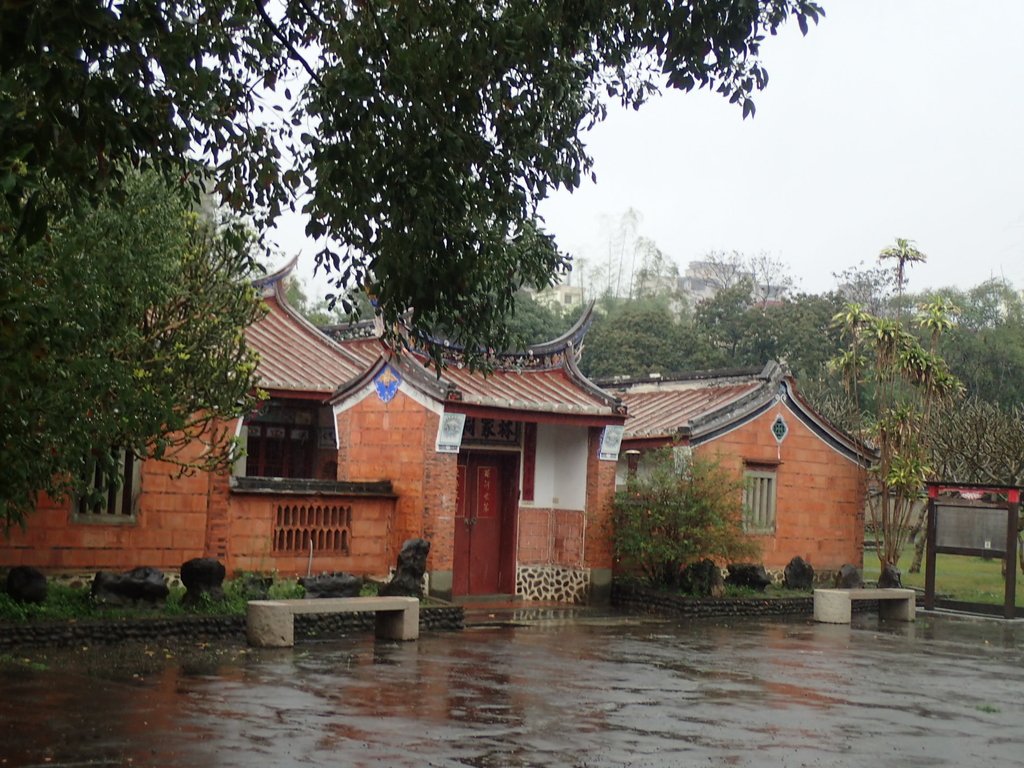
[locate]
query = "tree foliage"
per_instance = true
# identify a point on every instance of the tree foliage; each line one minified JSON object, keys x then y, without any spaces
{"x":421,"y":137}
{"x":123,"y":328}
{"x":895,"y":386}
{"x":985,"y":346}
{"x":635,"y":338}
{"x":675,"y":515}
{"x":533,"y":323}
{"x":310,"y":308}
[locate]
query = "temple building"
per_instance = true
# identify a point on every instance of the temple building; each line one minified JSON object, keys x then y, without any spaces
{"x":356,"y":448}
{"x":804,"y":478}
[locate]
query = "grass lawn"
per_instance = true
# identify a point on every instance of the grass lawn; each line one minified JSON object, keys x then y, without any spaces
{"x":957,"y":577}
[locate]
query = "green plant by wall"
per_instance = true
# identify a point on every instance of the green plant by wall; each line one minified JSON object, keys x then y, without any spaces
{"x":674,"y":515}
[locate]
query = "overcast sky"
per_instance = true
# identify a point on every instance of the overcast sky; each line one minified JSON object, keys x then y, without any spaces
{"x":892,"y":118}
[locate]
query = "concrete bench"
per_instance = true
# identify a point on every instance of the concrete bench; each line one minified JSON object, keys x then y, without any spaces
{"x":271,"y":623}
{"x":835,"y":606}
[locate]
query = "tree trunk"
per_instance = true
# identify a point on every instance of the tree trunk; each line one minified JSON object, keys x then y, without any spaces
{"x":920,"y":540}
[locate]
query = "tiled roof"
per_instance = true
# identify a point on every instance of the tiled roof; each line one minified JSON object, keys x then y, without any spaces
{"x":364,"y":350}
{"x":551,"y":390}
{"x":295,"y":356}
{"x":544,"y":379}
{"x":661,"y":409}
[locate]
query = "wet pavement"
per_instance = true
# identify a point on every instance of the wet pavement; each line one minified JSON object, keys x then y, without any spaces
{"x":537,"y":688}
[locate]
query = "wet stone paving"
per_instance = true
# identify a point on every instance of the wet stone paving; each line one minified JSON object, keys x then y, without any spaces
{"x":570,"y":689}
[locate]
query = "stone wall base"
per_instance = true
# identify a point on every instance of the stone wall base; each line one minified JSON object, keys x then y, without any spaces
{"x":553,"y":583}
{"x":192,"y":628}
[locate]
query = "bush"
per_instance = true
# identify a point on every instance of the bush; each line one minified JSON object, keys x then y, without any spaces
{"x":673,"y":516}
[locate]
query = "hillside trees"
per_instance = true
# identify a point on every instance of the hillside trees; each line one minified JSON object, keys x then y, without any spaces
{"x":986,"y":345}
{"x":635,"y":338}
{"x":122,"y":329}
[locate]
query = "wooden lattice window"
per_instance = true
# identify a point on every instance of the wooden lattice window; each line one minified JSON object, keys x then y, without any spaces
{"x":759,"y":501}
{"x":281,"y":440}
{"x":325,"y":528}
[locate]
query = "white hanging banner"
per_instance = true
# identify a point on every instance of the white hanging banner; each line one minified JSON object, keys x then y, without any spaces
{"x":449,"y":432}
{"x":611,"y":440}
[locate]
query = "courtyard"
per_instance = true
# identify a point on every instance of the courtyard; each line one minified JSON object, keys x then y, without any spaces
{"x":541,"y":687}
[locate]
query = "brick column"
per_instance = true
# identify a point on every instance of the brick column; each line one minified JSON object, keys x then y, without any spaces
{"x":597,"y":546}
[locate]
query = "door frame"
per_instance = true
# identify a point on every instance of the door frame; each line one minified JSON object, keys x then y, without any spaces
{"x":508,"y":500}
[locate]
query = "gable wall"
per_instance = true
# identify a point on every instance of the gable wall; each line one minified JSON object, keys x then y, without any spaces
{"x":395,"y":441}
{"x":819,"y":502}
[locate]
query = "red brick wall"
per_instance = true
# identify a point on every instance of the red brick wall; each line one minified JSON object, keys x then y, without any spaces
{"x":252,"y":526}
{"x":551,"y":537}
{"x":600,"y":494}
{"x":395,"y":441}
{"x":170,"y":528}
{"x":819,"y":502}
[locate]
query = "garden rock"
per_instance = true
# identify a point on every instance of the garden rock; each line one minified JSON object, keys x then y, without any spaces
{"x":799,"y":574}
{"x":702,"y":579}
{"x":890,"y":577}
{"x":332,"y":585}
{"x":849,"y":578}
{"x":26,"y":584}
{"x":143,"y":586}
{"x":202,"y":576}
{"x":412,"y":564}
{"x":748,"y":575}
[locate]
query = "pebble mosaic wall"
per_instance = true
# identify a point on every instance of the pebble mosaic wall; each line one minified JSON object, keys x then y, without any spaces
{"x":552,"y":583}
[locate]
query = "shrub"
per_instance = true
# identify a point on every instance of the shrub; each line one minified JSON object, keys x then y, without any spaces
{"x":673,"y":515}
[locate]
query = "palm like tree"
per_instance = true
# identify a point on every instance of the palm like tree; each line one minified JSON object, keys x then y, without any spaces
{"x":904,"y":252}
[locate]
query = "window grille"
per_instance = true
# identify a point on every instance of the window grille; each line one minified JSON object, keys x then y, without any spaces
{"x":328,"y":528}
{"x":111,"y":499}
{"x":759,"y":502}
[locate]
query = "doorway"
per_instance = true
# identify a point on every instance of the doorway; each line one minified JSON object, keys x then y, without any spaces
{"x":485,"y":524}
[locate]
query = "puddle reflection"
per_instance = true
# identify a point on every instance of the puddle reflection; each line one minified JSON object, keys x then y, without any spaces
{"x":571,"y":694}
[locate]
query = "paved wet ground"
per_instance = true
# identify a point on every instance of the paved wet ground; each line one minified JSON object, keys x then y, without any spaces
{"x":556,"y":689}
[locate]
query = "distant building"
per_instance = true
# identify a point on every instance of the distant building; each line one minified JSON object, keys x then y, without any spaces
{"x":560,"y":298}
{"x":704,"y":279}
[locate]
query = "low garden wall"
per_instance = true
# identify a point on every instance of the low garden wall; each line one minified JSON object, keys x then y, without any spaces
{"x":201,"y":628}
{"x":634,"y":597}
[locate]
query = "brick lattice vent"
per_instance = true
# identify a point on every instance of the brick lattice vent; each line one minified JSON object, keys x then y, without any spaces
{"x":329,"y":528}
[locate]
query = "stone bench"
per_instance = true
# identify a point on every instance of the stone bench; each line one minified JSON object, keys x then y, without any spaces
{"x":835,"y":606}
{"x":271,"y":623}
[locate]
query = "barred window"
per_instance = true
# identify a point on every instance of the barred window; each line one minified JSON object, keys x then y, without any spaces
{"x":759,"y":501}
{"x":111,"y":499}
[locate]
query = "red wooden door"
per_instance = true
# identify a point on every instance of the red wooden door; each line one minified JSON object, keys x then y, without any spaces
{"x":484,"y":526}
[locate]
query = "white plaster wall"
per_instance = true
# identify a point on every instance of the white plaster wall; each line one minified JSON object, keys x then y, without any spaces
{"x":560,"y":477}
{"x":683,"y":455}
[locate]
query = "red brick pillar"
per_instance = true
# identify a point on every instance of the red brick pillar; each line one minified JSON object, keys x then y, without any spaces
{"x":597,"y":545}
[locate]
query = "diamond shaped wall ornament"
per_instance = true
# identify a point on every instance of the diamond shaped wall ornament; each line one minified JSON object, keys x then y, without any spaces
{"x":779,"y":429}
{"x":386,"y":383}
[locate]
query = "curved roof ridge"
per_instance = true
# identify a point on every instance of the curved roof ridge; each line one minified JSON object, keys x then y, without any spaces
{"x":410,"y":369}
{"x":545,"y":354}
{"x":840,"y":435}
{"x":572,"y":368}
{"x":573,"y":336}
{"x":294,"y":314}
{"x":268,"y":281}
{"x":706,"y":375}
